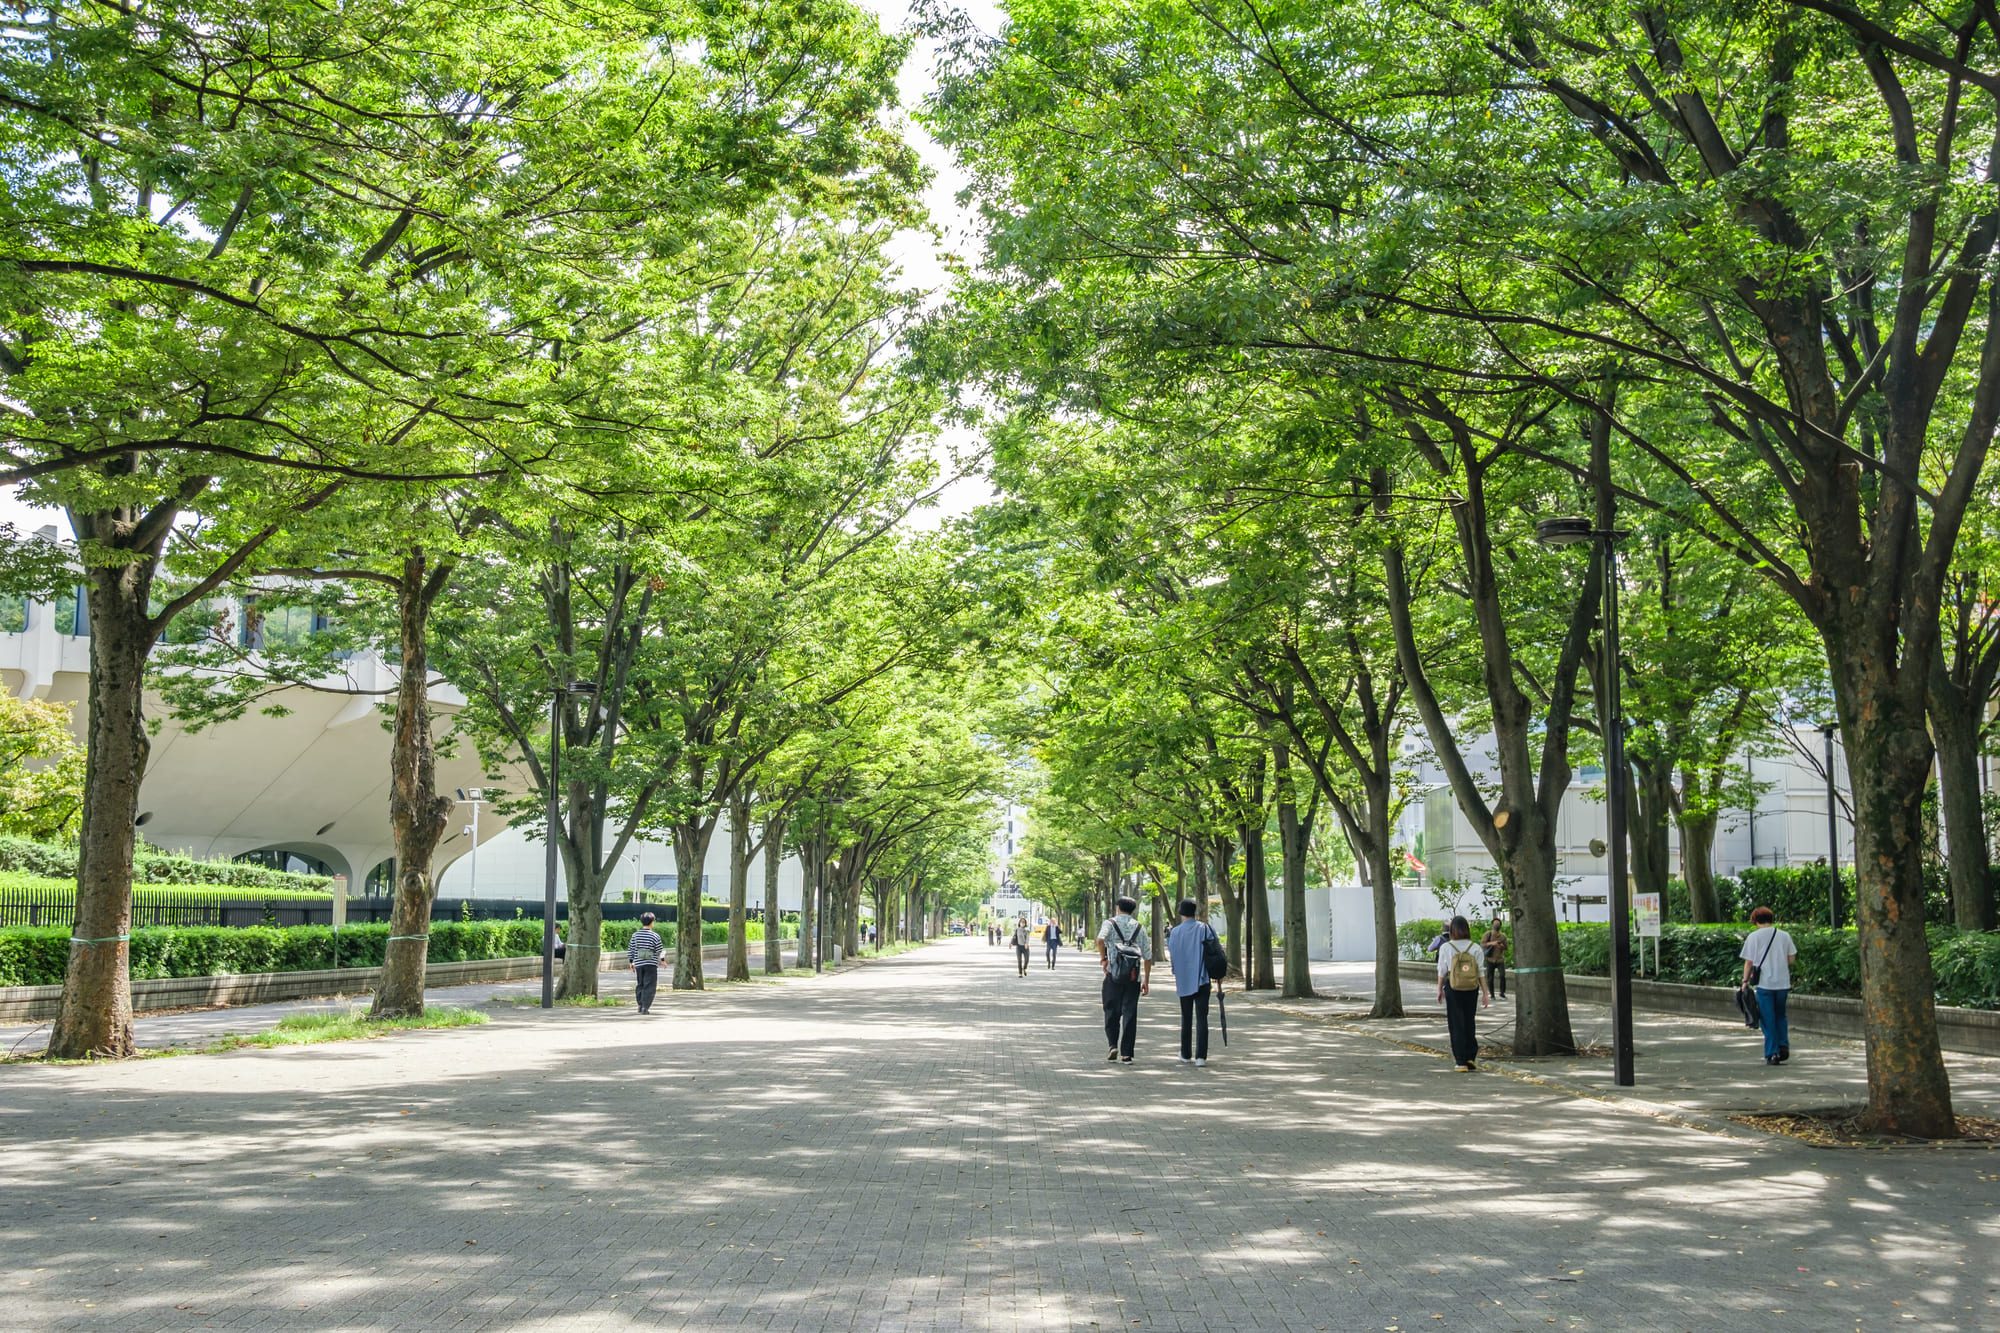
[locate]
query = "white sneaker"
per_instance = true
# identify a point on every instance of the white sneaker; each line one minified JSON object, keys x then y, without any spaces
{"x":1201,"y":1064}
{"x":1184,"y":1060}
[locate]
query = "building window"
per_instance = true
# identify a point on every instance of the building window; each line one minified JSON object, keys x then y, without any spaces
{"x":73,"y":613}
{"x":13,"y":615}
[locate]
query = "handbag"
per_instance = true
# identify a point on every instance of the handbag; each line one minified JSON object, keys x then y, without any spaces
{"x":1746,"y":994}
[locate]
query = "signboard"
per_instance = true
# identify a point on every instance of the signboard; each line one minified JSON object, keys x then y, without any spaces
{"x":1646,"y":907}
{"x":339,"y":901}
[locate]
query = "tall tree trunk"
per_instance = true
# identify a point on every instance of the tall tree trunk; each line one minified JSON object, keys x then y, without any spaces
{"x":1955,"y":726}
{"x":815,"y":868}
{"x":1889,"y":760}
{"x":1294,"y":832}
{"x":690,"y":856}
{"x":739,"y":961}
{"x":774,"y":846}
{"x":1232,"y":904}
{"x":1698,"y":864}
{"x":1648,"y":808}
{"x":94,"y":1015}
{"x":1198,"y":877}
{"x":1257,"y":905}
{"x":417,"y":813}
{"x":1519,"y":828}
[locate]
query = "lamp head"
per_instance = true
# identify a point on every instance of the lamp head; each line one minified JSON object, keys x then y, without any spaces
{"x":1563,"y":531}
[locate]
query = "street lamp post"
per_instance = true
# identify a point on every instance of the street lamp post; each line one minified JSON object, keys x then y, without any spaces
{"x":474,"y":797}
{"x":1563,"y":532}
{"x":575,"y":689}
{"x":1832,"y":836}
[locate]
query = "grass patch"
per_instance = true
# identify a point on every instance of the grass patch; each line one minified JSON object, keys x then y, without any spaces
{"x":568,"y":1001}
{"x":354,"y":1025}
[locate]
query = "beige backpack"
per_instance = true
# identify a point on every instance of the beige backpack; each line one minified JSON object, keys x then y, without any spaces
{"x":1464,"y":972}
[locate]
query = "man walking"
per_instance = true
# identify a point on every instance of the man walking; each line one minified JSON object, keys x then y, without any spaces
{"x":1126,"y":952}
{"x":1494,"y":943}
{"x":1052,"y":939}
{"x":1187,"y":949}
{"x":644,"y":951}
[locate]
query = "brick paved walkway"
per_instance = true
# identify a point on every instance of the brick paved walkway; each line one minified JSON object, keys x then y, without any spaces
{"x":931,"y":1142}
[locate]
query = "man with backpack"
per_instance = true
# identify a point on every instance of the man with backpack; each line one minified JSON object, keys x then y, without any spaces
{"x":1198,"y":961}
{"x":1126,"y":951}
{"x":1460,"y":986}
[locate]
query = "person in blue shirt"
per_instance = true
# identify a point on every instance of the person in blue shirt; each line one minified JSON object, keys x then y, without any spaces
{"x":1185,"y":947}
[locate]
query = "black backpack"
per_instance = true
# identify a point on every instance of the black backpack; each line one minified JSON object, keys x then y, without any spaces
{"x":1124,"y":953}
{"x":1214,"y":958}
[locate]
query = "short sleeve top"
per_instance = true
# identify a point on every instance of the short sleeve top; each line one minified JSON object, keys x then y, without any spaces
{"x":1451,"y":947}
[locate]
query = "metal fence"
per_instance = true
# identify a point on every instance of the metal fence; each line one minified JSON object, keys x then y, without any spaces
{"x":57,"y":907}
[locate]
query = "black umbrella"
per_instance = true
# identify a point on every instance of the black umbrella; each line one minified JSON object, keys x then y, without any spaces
{"x":1222,"y":1012}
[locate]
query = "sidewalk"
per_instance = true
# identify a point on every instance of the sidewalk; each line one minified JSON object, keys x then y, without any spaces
{"x":1692,"y":1067}
{"x":199,"y":1027}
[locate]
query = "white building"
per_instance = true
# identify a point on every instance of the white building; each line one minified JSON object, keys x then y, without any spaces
{"x":1788,"y":827}
{"x":310,"y":789}
{"x":1007,"y":899}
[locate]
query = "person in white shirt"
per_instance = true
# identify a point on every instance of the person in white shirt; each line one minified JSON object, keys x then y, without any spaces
{"x":1767,"y":956}
{"x":1462,"y":989}
{"x":1127,"y":976}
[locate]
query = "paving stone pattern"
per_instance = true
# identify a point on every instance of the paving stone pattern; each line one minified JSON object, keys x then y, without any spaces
{"x":931,"y":1142}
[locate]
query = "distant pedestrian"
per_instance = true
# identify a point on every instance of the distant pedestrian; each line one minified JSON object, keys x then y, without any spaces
{"x":644,"y":951}
{"x":1494,"y":945}
{"x":1768,"y":955}
{"x":1125,"y":950}
{"x":1187,"y":950}
{"x":1023,"y":936}
{"x":1052,"y":941}
{"x":1437,"y":941}
{"x":1460,"y":991}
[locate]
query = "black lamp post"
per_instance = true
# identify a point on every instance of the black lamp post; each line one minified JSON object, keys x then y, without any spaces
{"x":1565,"y":532}
{"x":1832,"y":836}
{"x":576,"y":689}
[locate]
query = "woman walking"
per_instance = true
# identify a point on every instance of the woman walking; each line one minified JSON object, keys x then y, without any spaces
{"x":1768,"y":955}
{"x":1022,"y":935}
{"x":1462,"y":989}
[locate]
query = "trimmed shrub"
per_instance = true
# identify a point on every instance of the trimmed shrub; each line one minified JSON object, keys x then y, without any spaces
{"x":49,"y":860}
{"x":1412,"y":936}
{"x":1967,"y":964}
{"x":37,"y":955}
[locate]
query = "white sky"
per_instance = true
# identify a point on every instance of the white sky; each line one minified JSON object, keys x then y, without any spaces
{"x":920,"y":258}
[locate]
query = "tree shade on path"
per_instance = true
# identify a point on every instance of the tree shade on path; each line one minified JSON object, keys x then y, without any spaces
{"x":931,"y":1142}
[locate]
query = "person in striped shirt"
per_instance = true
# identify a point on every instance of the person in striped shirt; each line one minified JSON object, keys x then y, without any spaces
{"x":644,"y":951}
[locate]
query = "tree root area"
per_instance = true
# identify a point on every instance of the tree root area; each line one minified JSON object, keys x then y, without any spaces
{"x":1840,"y":1127}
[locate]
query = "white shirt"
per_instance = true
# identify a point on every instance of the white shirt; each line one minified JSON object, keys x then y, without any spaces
{"x":1772,"y":950}
{"x":1131,"y":931}
{"x":1450,"y":947}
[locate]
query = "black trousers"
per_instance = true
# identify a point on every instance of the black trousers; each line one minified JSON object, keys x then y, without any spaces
{"x":1194,"y":1021}
{"x":1496,"y":977}
{"x":1021,"y":958}
{"x":648,"y":977}
{"x":1459,"y":1008}
{"x":1121,"y":1014}
{"x":1053,"y":946}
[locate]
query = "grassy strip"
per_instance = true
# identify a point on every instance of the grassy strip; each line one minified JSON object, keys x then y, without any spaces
{"x":570,"y":1001}
{"x":312,"y":1029}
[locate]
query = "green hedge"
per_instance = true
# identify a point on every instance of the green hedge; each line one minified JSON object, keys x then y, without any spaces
{"x":50,"y":860}
{"x":1967,"y":964}
{"x":36,"y":956}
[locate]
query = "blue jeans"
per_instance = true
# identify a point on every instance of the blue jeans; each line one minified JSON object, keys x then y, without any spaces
{"x":1771,"y":1004}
